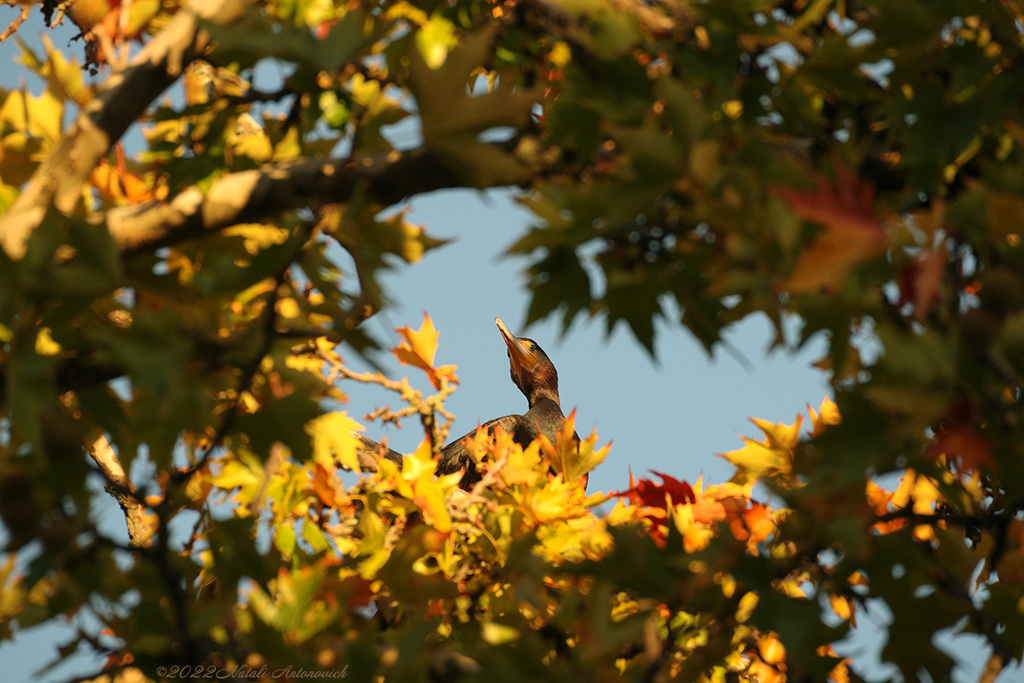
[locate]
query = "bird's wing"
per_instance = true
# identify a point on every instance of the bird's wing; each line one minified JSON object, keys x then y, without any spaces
{"x":369,"y":451}
{"x":455,"y":456}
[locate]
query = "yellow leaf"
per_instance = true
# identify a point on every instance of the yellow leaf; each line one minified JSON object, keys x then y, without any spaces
{"x":235,"y":475}
{"x":746,"y":607}
{"x":771,"y":650}
{"x":498,"y":634}
{"x":570,"y":458}
{"x":733,"y":109}
{"x":259,"y":236}
{"x":522,"y":465}
{"x":758,"y":460}
{"x":842,"y":606}
{"x":418,"y":349}
{"x":827,"y":415}
{"x":696,"y":535}
{"x":430,"y":498}
{"x":45,"y":345}
{"x":434,"y":39}
{"x":560,"y":54}
{"x":420,"y":464}
{"x":553,"y":501}
{"x":332,"y":438}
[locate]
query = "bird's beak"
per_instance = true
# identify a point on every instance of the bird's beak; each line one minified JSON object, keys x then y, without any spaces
{"x":522,"y":359}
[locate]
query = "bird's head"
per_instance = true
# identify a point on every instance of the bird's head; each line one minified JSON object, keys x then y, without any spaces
{"x":531,"y":369}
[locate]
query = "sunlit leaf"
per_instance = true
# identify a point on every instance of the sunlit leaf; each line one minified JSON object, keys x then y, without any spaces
{"x":418,"y":349}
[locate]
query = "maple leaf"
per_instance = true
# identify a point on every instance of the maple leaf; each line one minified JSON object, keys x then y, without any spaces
{"x":570,"y":458}
{"x":827,"y":414}
{"x":554,"y":501}
{"x":696,"y":534}
{"x":656,"y":503}
{"x":921,"y":493}
{"x":325,"y":485}
{"x":958,"y":439}
{"x":772,"y":457}
{"x":921,"y":281}
{"x":880,"y":500}
{"x":649,"y":494}
{"x":117,"y":183}
{"x":418,"y":349}
{"x":332,"y":438}
{"x":430,"y":494}
{"x":852,"y":234}
{"x":522,"y":465}
{"x":452,"y":120}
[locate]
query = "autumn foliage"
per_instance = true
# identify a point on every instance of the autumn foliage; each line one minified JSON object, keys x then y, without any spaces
{"x":189,"y":252}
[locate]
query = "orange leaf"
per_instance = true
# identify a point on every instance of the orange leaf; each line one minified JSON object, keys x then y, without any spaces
{"x":852,"y":235}
{"x":418,"y":349}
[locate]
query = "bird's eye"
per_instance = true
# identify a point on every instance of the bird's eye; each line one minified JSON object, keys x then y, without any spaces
{"x":533,"y":347}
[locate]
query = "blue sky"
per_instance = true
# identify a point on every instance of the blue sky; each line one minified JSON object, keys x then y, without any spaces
{"x":673,"y":415}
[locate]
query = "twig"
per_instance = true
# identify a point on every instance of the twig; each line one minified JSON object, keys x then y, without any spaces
{"x":16,"y":24}
{"x":992,"y":521}
{"x":119,"y":485}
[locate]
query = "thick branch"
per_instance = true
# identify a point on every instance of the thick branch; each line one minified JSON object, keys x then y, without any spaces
{"x":258,"y":195}
{"x":60,"y":178}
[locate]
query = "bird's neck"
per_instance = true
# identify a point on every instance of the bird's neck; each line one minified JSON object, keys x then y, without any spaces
{"x":539,"y":394}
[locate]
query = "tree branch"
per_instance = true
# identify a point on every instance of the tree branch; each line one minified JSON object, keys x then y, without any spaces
{"x":125,"y":96}
{"x":257,"y":195}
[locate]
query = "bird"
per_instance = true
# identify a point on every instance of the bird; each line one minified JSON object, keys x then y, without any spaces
{"x":535,"y":375}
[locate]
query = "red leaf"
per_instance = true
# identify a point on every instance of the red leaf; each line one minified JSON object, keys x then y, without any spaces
{"x":852,"y":235}
{"x":670,"y":491}
{"x":921,"y":281}
{"x":958,"y":439}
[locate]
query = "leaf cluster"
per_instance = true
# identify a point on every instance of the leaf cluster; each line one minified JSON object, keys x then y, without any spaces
{"x":170,"y":321}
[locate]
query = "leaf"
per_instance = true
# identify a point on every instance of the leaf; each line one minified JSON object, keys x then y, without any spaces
{"x":453,"y":120}
{"x":284,"y":539}
{"x":958,"y":439}
{"x":558,"y":281}
{"x":827,"y":414}
{"x":258,"y":35}
{"x":670,"y":491}
{"x":921,"y":281}
{"x":333,"y":438}
{"x":852,"y":235}
{"x":772,"y":457}
{"x":569,"y":456}
{"x":434,"y":39}
{"x":418,"y":349}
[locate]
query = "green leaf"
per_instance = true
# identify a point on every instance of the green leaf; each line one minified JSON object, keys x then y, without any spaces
{"x":284,"y":539}
{"x":453,"y":119}
{"x":259,"y":35}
